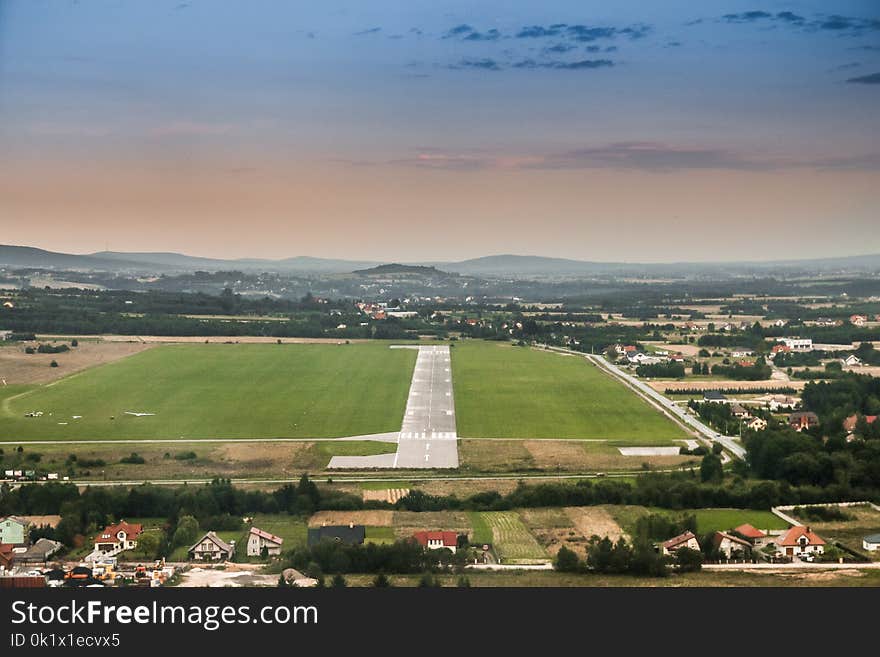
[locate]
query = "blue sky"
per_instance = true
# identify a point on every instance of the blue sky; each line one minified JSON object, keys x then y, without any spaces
{"x":755,"y":114}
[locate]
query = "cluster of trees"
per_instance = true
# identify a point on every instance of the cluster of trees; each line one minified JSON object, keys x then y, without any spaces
{"x":760,"y":371}
{"x":815,"y":458}
{"x":406,"y":556}
{"x":661,"y":370}
{"x":640,"y":558}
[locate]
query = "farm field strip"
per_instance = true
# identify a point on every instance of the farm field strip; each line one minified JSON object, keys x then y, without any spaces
{"x":512,"y":540}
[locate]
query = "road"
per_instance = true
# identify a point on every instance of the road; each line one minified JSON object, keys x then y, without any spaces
{"x":729,"y":443}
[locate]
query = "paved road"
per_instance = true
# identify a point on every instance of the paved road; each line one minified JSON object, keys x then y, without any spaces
{"x":728,"y":442}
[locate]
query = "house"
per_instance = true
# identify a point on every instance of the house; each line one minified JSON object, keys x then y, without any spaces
{"x":687,"y":540}
{"x":741,"y":352}
{"x":730,"y":546}
{"x":797,"y":344}
{"x":350,"y":534}
{"x":799,"y":541}
{"x":677,"y":358}
{"x":745,"y":363}
{"x":756,"y":424}
{"x":258,"y":539}
{"x":800,"y":420}
{"x":14,"y":530}
{"x":779,"y":348}
{"x":39,"y":553}
{"x":782,"y":402}
{"x":7,"y":556}
{"x":739,"y":411}
{"x":779,"y":323}
{"x":858,"y":320}
{"x":211,"y":547}
{"x":755,"y":536}
{"x":116,"y":538}
{"x":714,"y":396}
{"x":871,"y":543}
{"x":437,"y":540}
{"x":851,"y":361}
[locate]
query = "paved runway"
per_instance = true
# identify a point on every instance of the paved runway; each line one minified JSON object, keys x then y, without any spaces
{"x":428,"y":437}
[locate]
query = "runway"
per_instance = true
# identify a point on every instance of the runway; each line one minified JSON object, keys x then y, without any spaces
{"x":427,"y":437}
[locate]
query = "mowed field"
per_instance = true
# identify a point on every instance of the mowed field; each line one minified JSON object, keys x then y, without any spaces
{"x":503,"y":391}
{"x":221,"y":391}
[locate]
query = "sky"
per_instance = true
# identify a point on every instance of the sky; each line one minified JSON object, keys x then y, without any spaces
{"x":433,"y":130}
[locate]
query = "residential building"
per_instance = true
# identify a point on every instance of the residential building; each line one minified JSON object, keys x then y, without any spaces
{"x":871,"y":543}
{"x":437,"y":540}
{"x":851,"y":361}
{"x":687,"y":540}
{"x":350,"y":534}
{"x":258,"y":539}
{"x":14,"y":530}
{"x":741,"y":352}
{"x":39,"y":553}
{"x":116,"y":538}
{"x":714,"y":396}
{"x":755,"y":536}
{"x":756,"y":424}
{"x":782,"y":402}
{"x":211,"y":547}
{"x":800,"y":420}
{"x":779,"y":348}
{"x":797,"y":344}
{"x":739,"y":411}
{"x":800,"y":541}
{"x":731,"y":546}
{"x":858,"y":320}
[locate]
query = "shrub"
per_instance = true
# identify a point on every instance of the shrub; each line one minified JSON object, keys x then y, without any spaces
{"x":134,"y":458}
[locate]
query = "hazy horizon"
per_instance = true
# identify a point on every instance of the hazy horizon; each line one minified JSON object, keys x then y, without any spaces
{"x":440,"y":131}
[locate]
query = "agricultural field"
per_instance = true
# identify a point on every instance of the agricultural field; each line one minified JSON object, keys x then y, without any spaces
{"x":504,"y":391}
{"x":191,"y":391}
{"x":511,"y":539}
{"x":708,"y":520}
{"x":185,"y":460}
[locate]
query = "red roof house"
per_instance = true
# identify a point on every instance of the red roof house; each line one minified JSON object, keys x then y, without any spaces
{"x":118,"y":537}
{"x":800,"y":540}
{"x":749,"y":532}
{"x":437,"y":539}
{"x":6,"y":555}
{"x":687,"y":540}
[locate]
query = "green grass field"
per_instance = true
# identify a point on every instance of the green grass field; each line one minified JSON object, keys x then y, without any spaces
{"x":222,"y":391}
{"x":502,"y":391}
{"x":711,"y":520}
{"x":512,"y":540}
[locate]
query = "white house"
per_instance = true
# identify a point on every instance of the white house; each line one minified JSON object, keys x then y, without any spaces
{"x":113,"y":539}
{"x":437,"y":540}
{"x":871,"y":543}
{"x":687,"y":540}
{"x":851,"y":361}
{"x":756,"y":424}
{"x":258,"y":539}
{"x":211,"y":547}
{"x":799,"y":541}
{"x":797,"y":344}
{"x":729,"y":545}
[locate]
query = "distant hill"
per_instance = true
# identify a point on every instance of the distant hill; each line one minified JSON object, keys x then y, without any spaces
{"x":396,"y":268}
{"x":516,"y":266}
{"x":26,"y":256}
